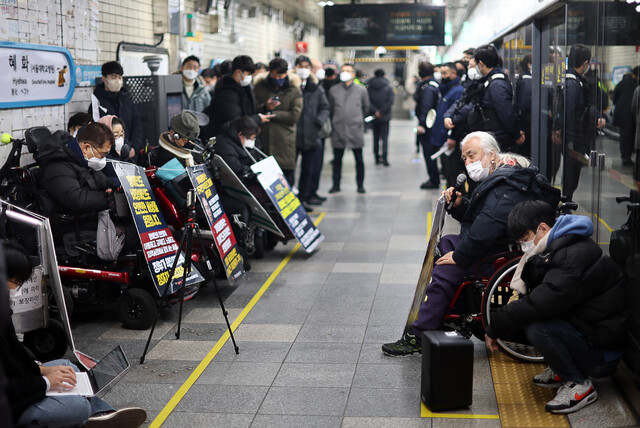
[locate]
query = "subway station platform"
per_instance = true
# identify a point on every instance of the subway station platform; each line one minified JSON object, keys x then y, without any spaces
{"x":310,"y":327}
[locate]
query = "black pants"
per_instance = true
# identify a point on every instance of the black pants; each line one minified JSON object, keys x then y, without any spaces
{"x":427,"y":150}
{"x":380,"y":132}
{"x":337,"y":166}
{"x":289,"y":175}
{"x":627,"y":136}
{"x":308,"y":164}
{"x":318,"y":161}
{"x":452,"y":166}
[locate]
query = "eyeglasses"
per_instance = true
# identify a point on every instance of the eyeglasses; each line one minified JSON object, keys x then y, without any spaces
{"x":102,"y":154}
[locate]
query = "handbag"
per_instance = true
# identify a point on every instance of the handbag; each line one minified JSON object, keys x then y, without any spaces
{"x":108,"y":243}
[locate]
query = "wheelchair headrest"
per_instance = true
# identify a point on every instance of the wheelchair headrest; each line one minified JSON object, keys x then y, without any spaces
{"x":35,"y":137}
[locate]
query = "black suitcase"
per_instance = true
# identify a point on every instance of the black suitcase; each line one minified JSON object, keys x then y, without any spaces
{"x":447,"y":370}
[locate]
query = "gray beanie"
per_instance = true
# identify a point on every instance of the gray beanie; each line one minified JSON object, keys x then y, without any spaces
{"x":185,"y":124}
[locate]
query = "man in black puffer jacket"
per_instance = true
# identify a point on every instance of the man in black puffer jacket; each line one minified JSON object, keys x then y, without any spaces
{"x":72,"y":177}
{"x":114,"y":99}
{"x":381,"y":96}
{"x":233,"y":97}
{"x":574,"y":309}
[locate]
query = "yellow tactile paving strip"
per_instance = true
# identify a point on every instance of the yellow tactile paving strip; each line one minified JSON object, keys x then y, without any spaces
{"x":520,"y":402}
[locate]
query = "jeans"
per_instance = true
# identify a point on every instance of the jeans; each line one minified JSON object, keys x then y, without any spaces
{"x":380,"y":132}
{"x":427,"y":150}
{"x":64,"y":410}
{"x":337,"y":166}
{"x":567,"y":352}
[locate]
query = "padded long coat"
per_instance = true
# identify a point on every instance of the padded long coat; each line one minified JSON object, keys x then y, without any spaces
{"x":279,"y":135}
{"x":349,"y":106}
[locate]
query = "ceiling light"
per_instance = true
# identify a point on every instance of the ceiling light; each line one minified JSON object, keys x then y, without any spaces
{"x":322,"y":3}
{"x":329,"y":3}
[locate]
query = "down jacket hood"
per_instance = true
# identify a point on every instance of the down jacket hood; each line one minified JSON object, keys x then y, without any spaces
{"x":571,"y":225}
{"x":294,"y":79}
{"x":377,"y":83}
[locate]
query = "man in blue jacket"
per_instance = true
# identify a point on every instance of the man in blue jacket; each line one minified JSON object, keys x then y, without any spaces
{"x":572,"y":304}
{"x":450,"y":92}
{"x":113,"y":98}
{"x":426,"y":98}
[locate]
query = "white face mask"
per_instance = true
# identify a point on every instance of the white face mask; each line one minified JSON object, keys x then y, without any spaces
{"x":249,"y":144}
{"x":474,"y":73}
{"x":438,"y":76}
{"x":211,"y":86}
{"x":119,"y":143}
{"x":246,"y":80}
{"x":15,"y":293}
{"x":304,"y":73}
{"x":113,"y":85}
{"x":345,"y":76}
{"x":320,"y":74}
{"x":95,"y":163}
{"x":75,"y":133}
{"x":190,"y":74}
{"x":528,"y":246}
{"x":477,"y":171}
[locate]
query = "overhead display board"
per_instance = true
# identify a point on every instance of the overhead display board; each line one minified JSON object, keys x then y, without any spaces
{"x":393,"y":24}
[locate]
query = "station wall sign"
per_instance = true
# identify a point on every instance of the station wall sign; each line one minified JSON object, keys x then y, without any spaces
{"x":35,"y":75}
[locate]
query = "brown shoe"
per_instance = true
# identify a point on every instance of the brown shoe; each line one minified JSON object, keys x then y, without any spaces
{"x":129,"y":417}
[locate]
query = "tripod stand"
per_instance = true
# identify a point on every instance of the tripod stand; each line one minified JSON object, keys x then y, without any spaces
{"x":187,"y":243}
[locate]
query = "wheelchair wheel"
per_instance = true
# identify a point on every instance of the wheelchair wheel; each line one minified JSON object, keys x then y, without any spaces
{"x":49,"y":343}
{"x":497,"y":295}
{"x":136,"y":309}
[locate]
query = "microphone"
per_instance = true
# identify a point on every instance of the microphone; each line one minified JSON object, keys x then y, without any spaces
{"x":124,"y":151}
{"x":460,"y":180}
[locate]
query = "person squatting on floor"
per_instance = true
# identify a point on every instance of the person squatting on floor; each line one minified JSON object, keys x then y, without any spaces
{"x":571,"y":303}
{"x":504,"y":180}
{"x":29,"y":380}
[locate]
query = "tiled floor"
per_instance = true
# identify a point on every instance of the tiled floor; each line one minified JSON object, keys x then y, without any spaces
{"x":310,"y":347}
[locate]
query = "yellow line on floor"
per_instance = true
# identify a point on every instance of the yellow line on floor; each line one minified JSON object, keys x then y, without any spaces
{"x":426,"y":413}
{"x":604,"y":223}
{"x":179,"y":395}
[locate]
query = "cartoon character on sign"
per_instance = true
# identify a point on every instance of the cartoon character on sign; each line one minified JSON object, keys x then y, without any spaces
{"x":61,"y":78}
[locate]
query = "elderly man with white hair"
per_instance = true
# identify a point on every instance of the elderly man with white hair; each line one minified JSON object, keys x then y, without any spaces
{"x":504,"y":179}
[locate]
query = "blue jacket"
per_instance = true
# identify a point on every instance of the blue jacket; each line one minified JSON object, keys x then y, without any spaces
{"x":426,"y":98}
{"x":450,"y":94}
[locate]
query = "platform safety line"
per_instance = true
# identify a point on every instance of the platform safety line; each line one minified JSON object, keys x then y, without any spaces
{"x":186,"y":386}
{"x":426,"y":413}
{"x":604,"y":223}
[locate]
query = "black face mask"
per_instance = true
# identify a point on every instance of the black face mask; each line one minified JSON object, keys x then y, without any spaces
{"x":445,"y":80}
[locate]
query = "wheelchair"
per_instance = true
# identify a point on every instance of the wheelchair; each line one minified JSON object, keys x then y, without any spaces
{"x":479,"y":296}
{"x":88,"y":281}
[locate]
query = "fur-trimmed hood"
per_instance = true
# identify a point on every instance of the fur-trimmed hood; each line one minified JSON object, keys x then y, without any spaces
{"x":294,"y":79}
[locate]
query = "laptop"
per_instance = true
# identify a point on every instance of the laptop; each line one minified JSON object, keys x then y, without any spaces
{"x":99,"y":380}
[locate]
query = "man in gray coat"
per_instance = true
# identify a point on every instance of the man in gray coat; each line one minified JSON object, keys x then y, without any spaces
{"x":349,"y":105}
{"x":315,"y":112}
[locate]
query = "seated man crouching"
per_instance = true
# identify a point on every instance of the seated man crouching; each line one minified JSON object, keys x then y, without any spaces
{"x":573,"y":306}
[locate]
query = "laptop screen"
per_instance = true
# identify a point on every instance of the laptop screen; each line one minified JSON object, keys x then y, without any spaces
{"x":108,"y":369}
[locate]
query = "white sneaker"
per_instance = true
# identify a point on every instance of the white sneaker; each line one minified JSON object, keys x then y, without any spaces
{"x":572,"y":396}
{"x":130,"y":417}
{"x":548,"y":379}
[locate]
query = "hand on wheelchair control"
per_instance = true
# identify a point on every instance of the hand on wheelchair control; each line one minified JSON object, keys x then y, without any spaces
{"x":446,"y":259}
{"x":448,"y":193}
{"x":492,"y":344}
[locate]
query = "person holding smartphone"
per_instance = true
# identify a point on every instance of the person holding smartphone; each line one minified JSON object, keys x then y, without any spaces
{"x":278,"y":93}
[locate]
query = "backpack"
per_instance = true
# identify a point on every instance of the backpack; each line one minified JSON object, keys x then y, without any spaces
{"x":542,"y":190}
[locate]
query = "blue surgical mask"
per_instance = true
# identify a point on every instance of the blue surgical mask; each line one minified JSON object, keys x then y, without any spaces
{"x":277,"y":82}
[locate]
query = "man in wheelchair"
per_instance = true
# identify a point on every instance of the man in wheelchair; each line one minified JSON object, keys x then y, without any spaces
{"x":72,"y":178}
{"x":503,"y":179}
{"x":573,"y":307}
